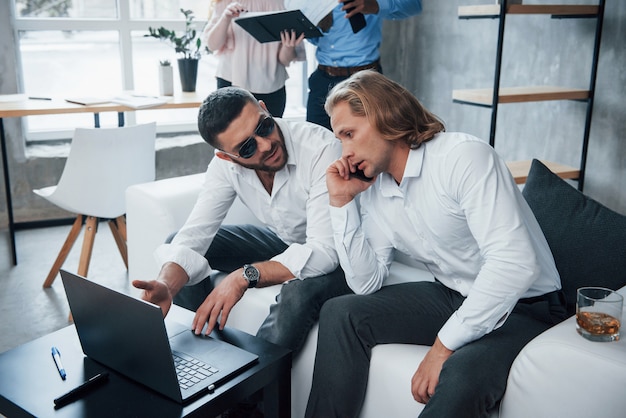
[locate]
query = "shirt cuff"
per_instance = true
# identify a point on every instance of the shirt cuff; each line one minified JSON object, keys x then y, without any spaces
{"x":195,"y":265}
{"x":294,"y":258}
{"x":345,"y":219}
{"x":383,"y":5}
{"x":455,"y":335}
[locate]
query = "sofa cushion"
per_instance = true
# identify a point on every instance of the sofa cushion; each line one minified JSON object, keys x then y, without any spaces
{"x":588,"y":240}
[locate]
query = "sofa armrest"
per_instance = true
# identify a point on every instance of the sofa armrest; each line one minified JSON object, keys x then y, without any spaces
{"x":561,"y":374}
{"x":157,"y":209}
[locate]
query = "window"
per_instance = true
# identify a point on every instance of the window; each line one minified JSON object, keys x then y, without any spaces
{"x":98,"y":48}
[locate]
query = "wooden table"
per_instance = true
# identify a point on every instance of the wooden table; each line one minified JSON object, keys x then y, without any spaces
{"x":19,"y":105}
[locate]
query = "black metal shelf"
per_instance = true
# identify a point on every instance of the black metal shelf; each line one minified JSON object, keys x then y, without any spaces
{"x":491,"y":98}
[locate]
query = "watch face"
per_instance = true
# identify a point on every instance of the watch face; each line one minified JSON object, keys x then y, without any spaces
{"x":251,"y":273}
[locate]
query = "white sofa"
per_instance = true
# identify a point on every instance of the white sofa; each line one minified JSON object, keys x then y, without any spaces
{"x":558,"y":374}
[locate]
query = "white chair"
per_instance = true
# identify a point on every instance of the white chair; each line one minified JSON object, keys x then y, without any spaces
{"x":101,"y":164}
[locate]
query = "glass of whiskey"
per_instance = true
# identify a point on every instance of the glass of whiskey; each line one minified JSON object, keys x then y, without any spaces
{"x":598,"y":313}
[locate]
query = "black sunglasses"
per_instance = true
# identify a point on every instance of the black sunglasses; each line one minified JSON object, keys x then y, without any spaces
{"x":248,"y":148}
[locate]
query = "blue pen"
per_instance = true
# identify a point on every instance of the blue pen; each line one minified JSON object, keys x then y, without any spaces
{"x":56,"y":355}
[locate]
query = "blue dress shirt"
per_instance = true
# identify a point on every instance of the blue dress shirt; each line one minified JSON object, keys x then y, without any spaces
{"x":340,"y":47}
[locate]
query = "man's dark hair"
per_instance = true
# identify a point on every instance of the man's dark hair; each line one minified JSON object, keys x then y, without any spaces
{"x":219,"y":109}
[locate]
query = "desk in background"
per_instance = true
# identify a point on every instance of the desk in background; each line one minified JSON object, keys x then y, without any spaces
{"x":19,"y":105}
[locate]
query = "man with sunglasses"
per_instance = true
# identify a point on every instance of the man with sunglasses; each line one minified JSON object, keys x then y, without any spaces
{"x":277,"y":168}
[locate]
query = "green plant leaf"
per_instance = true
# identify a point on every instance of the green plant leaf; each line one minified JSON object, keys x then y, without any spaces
{"x":188,"y":44}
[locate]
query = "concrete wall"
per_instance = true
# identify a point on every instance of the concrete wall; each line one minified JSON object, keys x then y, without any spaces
{"x":432,"y":54}
{"x":436,"y":52}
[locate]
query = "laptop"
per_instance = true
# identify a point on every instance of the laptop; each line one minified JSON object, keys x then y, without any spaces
{"x":129,"y":335}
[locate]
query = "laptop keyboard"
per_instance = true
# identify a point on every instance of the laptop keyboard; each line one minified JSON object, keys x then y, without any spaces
{"x":191,"y":371}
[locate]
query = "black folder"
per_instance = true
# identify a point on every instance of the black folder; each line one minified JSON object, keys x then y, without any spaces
{"x":266,"y":27}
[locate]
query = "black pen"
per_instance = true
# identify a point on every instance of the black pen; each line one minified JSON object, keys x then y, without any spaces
{"x":39,"y":98}
{"x":79,"y":391}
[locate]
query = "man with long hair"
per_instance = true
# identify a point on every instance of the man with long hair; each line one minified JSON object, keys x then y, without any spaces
{"x":446,"y":200}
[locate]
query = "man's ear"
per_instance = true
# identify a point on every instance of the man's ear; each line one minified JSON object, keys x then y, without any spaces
{"x":262,"y":104}
{"x":223,"y":156}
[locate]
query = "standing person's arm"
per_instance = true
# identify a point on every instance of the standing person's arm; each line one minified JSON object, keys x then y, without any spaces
{"x":367,"y":7}
{"x":216,"y":31}
{"x":388,"y":9}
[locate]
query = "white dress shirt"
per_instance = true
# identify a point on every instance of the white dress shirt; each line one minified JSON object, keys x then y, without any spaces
{"x":459,"y":211}
{"x":296,"y":211}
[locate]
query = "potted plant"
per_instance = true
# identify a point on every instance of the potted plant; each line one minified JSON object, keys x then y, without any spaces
{"x":186,"y":44}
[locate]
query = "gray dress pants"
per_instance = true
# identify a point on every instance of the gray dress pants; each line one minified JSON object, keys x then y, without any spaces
{"x":297,"y":305}
{"x":472,"y":380}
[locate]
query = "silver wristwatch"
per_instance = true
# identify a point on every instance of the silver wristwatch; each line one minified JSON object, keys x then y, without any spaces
{"x":251,"y":274}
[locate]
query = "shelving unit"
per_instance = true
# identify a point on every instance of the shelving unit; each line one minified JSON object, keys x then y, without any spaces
{"x":492,"y":97}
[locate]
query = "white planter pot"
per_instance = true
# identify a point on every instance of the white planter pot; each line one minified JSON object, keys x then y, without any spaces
{"x":166,"y":80}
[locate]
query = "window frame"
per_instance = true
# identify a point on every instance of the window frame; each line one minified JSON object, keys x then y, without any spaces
{"x":124,"y":25}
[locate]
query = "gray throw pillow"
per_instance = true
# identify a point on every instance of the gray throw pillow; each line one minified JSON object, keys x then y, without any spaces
{"x":588,"y":240}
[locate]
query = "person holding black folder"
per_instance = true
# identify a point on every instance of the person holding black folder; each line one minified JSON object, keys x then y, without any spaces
{"x":351,"y":43}
{"x":246,"y":63}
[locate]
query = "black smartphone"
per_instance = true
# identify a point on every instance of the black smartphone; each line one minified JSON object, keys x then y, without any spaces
{"x":357,"y":22}
{"x":361,"y":176}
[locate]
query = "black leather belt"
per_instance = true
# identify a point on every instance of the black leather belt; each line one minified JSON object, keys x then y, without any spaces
{"x":555,"y":298}
{"x":348,"y":71}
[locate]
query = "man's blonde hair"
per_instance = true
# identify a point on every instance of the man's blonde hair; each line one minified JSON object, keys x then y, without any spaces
{"x":390,"y":108}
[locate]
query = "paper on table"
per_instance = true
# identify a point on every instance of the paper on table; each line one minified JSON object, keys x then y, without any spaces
{"x":88,"y":100}
{"x":137,"y":101}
